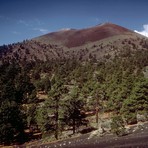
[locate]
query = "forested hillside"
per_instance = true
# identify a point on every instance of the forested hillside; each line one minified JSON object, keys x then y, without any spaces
{"x":59,"y":93}
{"x":119,"y":86}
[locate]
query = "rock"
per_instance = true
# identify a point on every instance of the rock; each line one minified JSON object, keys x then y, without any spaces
{"x":106,"y":125}
{"x":141,"y":117}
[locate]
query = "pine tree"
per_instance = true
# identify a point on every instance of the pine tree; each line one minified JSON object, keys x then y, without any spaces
{"x":49,"y":115}
{"x":11,"y":122}
{"x":73,"y":107}
{"x":137,"y":101}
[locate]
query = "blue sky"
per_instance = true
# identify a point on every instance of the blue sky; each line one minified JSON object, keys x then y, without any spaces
{"x":25,"y":19}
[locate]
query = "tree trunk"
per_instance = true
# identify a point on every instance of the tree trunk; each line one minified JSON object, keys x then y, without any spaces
{"x":97,"y":117}
{"x":97,"y":110}
{"x":74,"y":126}
{"x":56,"y":120}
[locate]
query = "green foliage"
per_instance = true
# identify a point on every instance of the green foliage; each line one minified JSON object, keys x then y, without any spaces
{"x":15,"y":89}
{"x":117,"y":125}
{"x":11,"y":123}
{"x":44,"y":84}
{"x":44,"y":118}
{"x":25,"y":90}
{"x":140,"y":95}
{"x":49,"y":115}
{"x":136,"y":101}
{"x":31,"y":113}
{"x":73,"y":107}
{"x":114,"y":84}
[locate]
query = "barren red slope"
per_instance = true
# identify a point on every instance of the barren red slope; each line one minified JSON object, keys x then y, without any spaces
{"x":74,"y":38}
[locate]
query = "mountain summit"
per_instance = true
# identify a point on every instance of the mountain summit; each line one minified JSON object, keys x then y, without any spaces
{"x":73,"y":38}
{"x":82,"y":44}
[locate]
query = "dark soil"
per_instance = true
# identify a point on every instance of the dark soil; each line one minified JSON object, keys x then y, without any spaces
{"x":137,"y":139}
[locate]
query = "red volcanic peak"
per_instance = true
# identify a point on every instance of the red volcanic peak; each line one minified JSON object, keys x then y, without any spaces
{"x":74,"y":38}
{"x":90,"y":43}
{"x":81,"y":37}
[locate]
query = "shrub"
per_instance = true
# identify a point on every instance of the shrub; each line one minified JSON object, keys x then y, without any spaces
{"x":117,"y":125}
{"x":130,"y":118}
